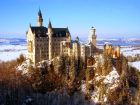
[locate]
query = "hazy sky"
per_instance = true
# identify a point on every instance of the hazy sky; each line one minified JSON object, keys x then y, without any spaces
{"x":111,"y":18}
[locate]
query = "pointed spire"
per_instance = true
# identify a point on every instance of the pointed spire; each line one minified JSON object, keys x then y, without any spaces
{"x":39,"y":13}
{"x":49,"y":25}
{"x":40,"y":19}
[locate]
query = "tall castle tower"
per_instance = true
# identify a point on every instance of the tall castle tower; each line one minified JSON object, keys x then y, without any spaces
{"x":50,"y":33}
{"x":40,"y":19}
{"x":92,"y":36}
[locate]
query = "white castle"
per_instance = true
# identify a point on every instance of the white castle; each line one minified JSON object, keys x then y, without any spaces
{"x":45,"y":43}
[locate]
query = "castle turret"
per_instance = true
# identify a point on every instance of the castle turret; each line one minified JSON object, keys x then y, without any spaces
{"x":40,"y":19}
{"x":68,"y":35}
{"x":50,"y":33}
{"x":92,"y":36}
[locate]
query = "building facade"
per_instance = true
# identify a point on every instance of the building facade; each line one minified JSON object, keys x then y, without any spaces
{"x":43,"y":43}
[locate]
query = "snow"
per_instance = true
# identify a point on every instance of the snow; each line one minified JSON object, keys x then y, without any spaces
{"x":43,"y":63}
{"x":11,"y":52}
{"x":83,"y":88}
{"x":107,"y":43}
{"x":98,"y":78}
{"x":12,"y":47}
{"x":7,"y":56}
{"x":24,"y":66}
{"x":112,"y":77}
{"x":105,"y":98}
{"x":135,"y":64}
{"x":130,"y":51}
{"x":95,"y":97}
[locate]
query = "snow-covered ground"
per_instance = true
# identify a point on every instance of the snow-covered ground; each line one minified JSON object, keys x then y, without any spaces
{"x":135,"y":64}
{"x":130,"y":50}
{"x":24,"y":66}
{"x":11,"y":47}
{"x":11,"y":52}
{"x":134,"y":52}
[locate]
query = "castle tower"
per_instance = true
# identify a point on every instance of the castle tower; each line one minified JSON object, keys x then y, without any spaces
{"x":40,"y":19}
{"x":92,"y":36}
{"x":118,"y":51}
{"x":83,"y":52}
{"x":50,"y":33}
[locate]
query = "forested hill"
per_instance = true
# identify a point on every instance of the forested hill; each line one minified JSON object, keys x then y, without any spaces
{"x":67,"y":82}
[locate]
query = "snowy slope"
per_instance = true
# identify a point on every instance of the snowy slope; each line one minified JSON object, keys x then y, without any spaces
{"x":130,"y":50}
{"x":11,"y":48}
{"x":135,"y":64}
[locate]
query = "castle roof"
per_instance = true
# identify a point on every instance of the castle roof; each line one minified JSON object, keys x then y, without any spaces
{"x":42,"y":31}
{"x":39,"y":31}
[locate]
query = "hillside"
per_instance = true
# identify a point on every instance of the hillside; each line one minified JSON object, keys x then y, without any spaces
{"x":67,"y":82}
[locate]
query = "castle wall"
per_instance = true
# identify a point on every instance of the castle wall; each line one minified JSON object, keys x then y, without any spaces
{"x":56,"y":45}
{"x":76,"y":50}
{"x":41,"y":48}
{"x":30,"y":46}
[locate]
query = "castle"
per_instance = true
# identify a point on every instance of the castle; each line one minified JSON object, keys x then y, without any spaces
{"x":45,"y":43}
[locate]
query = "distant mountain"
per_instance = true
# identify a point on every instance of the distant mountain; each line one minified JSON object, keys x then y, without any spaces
{"x":100,"y":42}
{"x":12,"y":41}
{"x":12,"y":36}
{"x":120,"y":42}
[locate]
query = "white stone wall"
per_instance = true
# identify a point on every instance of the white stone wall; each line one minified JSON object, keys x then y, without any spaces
{"x":30,"y":38}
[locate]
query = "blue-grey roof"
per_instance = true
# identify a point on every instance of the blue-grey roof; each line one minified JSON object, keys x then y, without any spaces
{"x":42,"y":31}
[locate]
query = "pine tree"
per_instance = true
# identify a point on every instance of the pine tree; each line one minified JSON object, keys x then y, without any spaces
{"x":62,"y":65}
{"x":55,"y":65}
{"x":87,"y":79}
{"x":109,"y":66}
{"x":72,"y":71}
{"x":118,"y":66}
{"x":99,"y":67}
{"x":105,"y":64}
{"x":124,"y":65}
{"x":21,"y":59}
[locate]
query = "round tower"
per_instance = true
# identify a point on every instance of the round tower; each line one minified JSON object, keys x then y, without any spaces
{"x":50,"y":33}
{"x":40,"y":19}
{"x":92,"y":36}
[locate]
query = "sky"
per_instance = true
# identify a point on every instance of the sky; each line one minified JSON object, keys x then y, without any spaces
{"x":111,"y":18}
